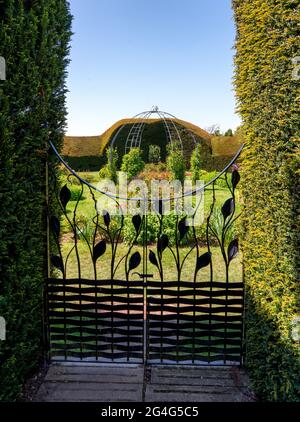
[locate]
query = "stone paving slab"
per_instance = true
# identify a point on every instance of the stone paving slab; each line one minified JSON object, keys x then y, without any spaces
{"x":74,"y":382}
{"x":216,"y":376}
{"x":65,"y":383}
{"x":198,"y":384}
{"x":154,"y":394}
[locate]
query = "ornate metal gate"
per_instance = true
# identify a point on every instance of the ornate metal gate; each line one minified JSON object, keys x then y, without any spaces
{"x":141,"y":288}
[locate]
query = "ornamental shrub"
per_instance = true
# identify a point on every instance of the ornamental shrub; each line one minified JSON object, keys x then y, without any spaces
{"x":110,"y":170}
{"x":176,"y":163}
{"x":132,"y":163}
{"x":154,"y":154}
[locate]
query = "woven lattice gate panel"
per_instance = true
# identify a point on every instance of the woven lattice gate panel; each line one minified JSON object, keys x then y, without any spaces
{"x":96,"y":320}
{"x":195,"y":323}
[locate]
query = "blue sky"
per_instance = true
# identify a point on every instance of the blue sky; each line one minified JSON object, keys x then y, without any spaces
{"x":128,"y":55}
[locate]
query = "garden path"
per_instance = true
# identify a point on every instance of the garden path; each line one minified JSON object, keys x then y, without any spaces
{"x":98,"y":383}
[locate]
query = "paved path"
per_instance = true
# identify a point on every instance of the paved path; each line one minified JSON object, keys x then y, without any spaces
{"x":69,"y":383}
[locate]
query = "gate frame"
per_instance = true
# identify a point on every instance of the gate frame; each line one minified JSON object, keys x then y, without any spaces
{"x":145,"y":261}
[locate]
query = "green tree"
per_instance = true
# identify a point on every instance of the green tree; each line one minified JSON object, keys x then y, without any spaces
{"x":214,"y":130}
{"x":110,"y":170}
{"x":176,"y":162}
{"x":228,"y":132}
{"x":154,"y":154}
{"x":132,"y":163}
{"x":196,"y":163}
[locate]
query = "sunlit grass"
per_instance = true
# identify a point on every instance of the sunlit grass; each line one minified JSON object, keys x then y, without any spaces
{"x":170,"y":272}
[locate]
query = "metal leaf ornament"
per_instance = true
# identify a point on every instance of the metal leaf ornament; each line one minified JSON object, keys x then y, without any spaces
{"x":99,"y":250}
{"x":228,"y":208}
{"x":57,"y":262}
{"x":106,"y":218}
{"x":235,"y":178}
{"x":162,"y":243}
{"x":183,"y":228}
{"x":65,"y":196}
{"x":152,"y":258}
{"x":233,"y":249}
{"x":137,"y":221}
{"x":203,"y":261}
{"x":134,"y":261}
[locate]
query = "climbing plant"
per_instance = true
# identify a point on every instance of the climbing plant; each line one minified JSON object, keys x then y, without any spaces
{"x":34,"y":40}
{"x":267,"y":41}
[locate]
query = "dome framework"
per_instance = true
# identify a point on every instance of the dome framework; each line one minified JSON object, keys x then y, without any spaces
{"x":135,"y":135}
{"x":173,"y":130}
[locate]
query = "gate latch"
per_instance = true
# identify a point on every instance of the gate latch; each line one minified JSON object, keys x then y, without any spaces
{"x":143,"y":275}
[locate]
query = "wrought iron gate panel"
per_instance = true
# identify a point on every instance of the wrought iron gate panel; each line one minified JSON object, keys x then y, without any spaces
{"x":194,"y":323}
{"x":97,"y":320}
{"x":116,"y":304}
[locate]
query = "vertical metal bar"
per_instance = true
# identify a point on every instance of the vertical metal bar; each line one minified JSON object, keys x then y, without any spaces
{"x":112,"y":313}
{"x":64,"y":308}
{"x":210,"y":319}
{"x":243,"y":331}
{"x":96,"y":315}
{"x":79,"y":267}
{"x":128,"y":313}
{"x":128,"y":322}
{"x":80,"y":303}
{"x":211,"y":270}
{"x":46,"y":325}
{"x":145,"y":266}
{"x":226,"y":323}
{"x":177,"y":321}
{"x":95,"y":273}
{"x":178,"y":290}
{"x":147,"y":340}
{"x":194,"y":323}
{"x":161,"y":321}
{"x":96,"y":319}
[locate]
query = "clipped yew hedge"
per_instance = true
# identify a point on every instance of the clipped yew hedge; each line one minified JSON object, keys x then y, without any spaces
{"x":268,"y":34}
{"x":34,"y":40}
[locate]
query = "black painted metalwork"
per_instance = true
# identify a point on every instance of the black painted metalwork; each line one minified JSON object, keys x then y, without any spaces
{"x":108,"y":303}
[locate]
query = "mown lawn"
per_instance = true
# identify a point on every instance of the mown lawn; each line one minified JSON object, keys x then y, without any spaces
{"x":170,"y":273}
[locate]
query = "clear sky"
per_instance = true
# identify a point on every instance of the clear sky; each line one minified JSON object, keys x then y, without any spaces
{"x":128,"y":55}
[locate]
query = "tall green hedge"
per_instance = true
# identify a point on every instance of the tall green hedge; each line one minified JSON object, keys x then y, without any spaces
{"x":268,"y":33}
{"x":34,"y":40}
